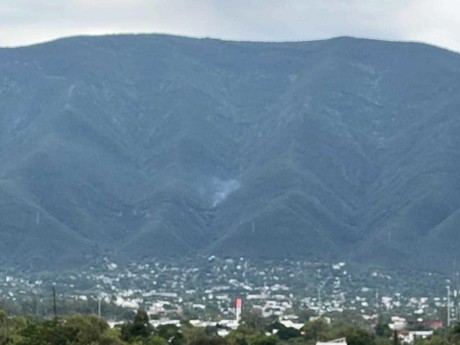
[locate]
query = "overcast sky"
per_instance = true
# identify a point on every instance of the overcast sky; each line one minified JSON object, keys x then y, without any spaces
{"x":433,"y":21}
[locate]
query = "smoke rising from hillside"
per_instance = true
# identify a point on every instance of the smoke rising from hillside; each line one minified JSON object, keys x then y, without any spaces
{"x":223,"y":189}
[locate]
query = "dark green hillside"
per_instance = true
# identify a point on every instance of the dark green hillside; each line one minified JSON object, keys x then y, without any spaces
{"x":152,"y":145}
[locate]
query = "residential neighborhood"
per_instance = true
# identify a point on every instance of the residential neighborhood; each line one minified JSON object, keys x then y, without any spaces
{"x":205,"y":290}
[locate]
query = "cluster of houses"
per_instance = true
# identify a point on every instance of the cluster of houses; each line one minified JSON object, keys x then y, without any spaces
{"x":204,"y":290}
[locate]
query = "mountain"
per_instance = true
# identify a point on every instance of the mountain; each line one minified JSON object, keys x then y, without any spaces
{"x":140,"y":146}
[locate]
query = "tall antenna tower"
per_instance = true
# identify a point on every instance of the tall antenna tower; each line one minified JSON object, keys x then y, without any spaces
{"x":238,"y":305}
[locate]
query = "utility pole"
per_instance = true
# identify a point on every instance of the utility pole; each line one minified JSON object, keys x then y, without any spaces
{"x":54,"y":303}
{"x":99,"y":300}
{"x":36,"y":304}
{"x":448,"y":305}
{"x":456,"y":292}
{"x":319,"y":301}
{"x":99,"y":306}
{"x":377,"y":305}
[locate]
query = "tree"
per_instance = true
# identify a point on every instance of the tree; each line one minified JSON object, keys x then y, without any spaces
{"x":155,"y":340}
{"x":349,"y":318}
{"x":454,"y":333}
{"x":237,"y":337}
{"x":209,"y":340}
{"x":4,"y":331}
{"x":83,"y":330}
{"x":46,"y":333}
{"x":316,"y":330}
{"x":171,"y":333}
{"x":253,"y":321}
{"x":355,"y":336}
{"x":261,"y":339}
{"x":383,"y":330}
{"x":283,"y":332}
{"x":434,"y":340}
{"x":140,"y":328}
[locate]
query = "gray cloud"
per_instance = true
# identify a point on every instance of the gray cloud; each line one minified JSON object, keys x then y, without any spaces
{"x":29,"y":21}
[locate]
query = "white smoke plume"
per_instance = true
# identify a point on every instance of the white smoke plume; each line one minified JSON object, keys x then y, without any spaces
{"x":222,"y":189}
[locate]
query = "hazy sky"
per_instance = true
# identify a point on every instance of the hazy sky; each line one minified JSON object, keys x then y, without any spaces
{"x":432,"y":21}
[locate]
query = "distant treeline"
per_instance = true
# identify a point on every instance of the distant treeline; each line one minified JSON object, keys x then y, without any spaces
{"x":81,"y":329}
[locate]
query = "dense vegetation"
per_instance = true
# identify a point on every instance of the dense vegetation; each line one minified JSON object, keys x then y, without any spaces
{"x":90,"y":330}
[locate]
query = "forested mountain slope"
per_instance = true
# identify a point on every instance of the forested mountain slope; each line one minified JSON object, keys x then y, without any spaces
{"x":149,"y":145}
